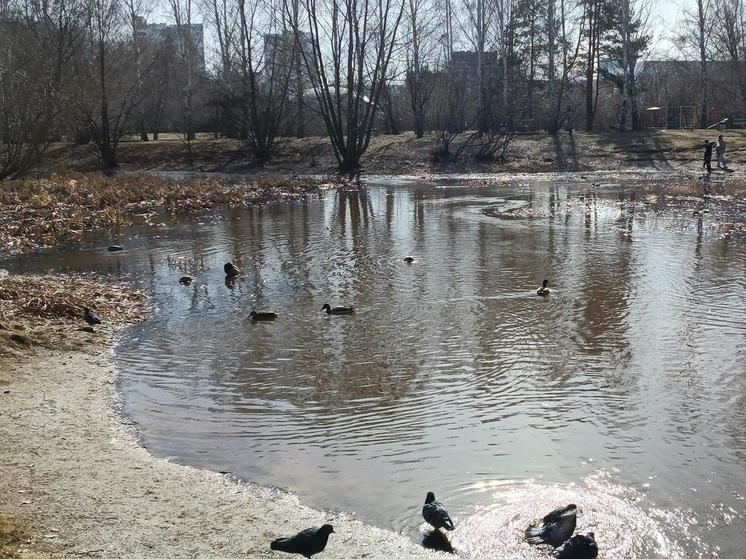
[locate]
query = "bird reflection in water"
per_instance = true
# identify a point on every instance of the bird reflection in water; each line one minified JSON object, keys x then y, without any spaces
{"x":437,"y":541}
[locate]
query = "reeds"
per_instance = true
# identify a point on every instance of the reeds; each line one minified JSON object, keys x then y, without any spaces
{"x":45,"y":211}
{"x":48,"y":310}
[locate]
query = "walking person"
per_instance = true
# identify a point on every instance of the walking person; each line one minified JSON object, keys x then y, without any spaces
{"x":720,"y":151}
{"x":708,"y":156}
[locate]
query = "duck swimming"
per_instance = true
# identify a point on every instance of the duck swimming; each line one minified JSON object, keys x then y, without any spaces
{"x":435,"y":514}
{"x":230,"y":270}
{"x":409,"y":259}
{"x":555,"y":528}
{"x":337,"y":310}
{"x":186,"y":280}
{"x":579,"y":547}
{"x":543,"y":291}
{"x":255,"y":316}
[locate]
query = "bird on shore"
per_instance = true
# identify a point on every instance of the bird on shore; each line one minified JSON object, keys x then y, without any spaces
{"x":90,"y":317}
{"x":306,"y":543}
{"x":435,"y":513}
{"x":231,"y":270}
{"x":255,"y":316}
{"x":409,"y":259}
{"x":555,"y":528}
{"x":543,"y":291}
{"x":579,"y":547}
{"x":337,"y":310}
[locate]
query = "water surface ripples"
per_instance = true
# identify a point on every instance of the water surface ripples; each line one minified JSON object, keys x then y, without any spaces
{"x":623,"y":391}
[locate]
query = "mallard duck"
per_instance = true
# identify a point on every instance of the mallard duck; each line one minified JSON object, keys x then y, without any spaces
{"x":435,"y":513}
{"x":306,"y":543}
{"x":555,"y":528}
{"x":337,"y":310}
{"x":186,"y":280}
{"x":579,"y":547}
{"x":255,"y":316}
{"x":543,"y":291}
{"x":409,"y":259}
{"x":230,"y":270}
{"x":90,"y":317}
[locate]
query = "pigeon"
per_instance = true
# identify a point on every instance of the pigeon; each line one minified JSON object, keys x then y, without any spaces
{"x":337,"y":310}
{"x":579,"y":547}
{"x":543,"y":291}
{"x":306,"y":543}
{"x":555,"y":528}
{"x":255,"y":316}
{"x":230,"y":270}
{"x":435,"y":513}
{"x":90,"y":317}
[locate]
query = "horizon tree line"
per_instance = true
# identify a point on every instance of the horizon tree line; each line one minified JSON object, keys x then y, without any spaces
{"x":85,"y":70}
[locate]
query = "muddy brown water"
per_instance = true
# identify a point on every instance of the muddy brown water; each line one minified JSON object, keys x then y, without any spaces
{"x":624,"y":391}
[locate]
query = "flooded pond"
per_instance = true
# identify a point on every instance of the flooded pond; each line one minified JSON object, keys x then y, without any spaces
{"x":624,"y":391}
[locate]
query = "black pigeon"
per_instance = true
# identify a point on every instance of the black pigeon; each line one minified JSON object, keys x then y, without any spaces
{"x":435,"y":514}
{"x":555,"y":528}
{"x":230,"y":270}
{"x":90,"y":317}
{"x":307,"y":543}
{"x":579,"y":547}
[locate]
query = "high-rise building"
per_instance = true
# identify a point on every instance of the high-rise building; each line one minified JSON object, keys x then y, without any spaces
{"x":162,"y":35}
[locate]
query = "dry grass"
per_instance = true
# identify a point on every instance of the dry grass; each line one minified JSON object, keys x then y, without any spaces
{"x":45,"y":211}
{"x":12,"y":533}
{"x":48,"y":311}
{"x":665,"y":150}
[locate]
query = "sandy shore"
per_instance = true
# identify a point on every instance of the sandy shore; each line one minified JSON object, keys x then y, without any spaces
{"x":73,"y":471}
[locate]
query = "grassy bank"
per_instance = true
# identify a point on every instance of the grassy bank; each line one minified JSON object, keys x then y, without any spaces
{"x":671,"y":150}
{"x":44,"y":211}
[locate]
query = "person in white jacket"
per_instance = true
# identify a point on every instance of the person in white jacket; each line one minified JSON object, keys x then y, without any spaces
{"x":720,"y":151}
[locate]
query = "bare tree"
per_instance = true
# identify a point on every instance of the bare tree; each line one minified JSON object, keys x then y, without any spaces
{"x":351,"y":46}
{"x":694,"y":38}
{"x":265,"y":74}
{"x":26,"y":100}
{"x":105,"y":80}
{"x":181,"y":11}
{"x":422,"y":48}
{"x":479,"y":15}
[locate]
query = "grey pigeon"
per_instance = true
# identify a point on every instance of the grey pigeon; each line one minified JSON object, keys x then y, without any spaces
{"x":307,"y":543}
{"x":555,"y":528}
{"x":435,"y":513}
{"x":90,"y":317}
{"x":579,"y":547}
